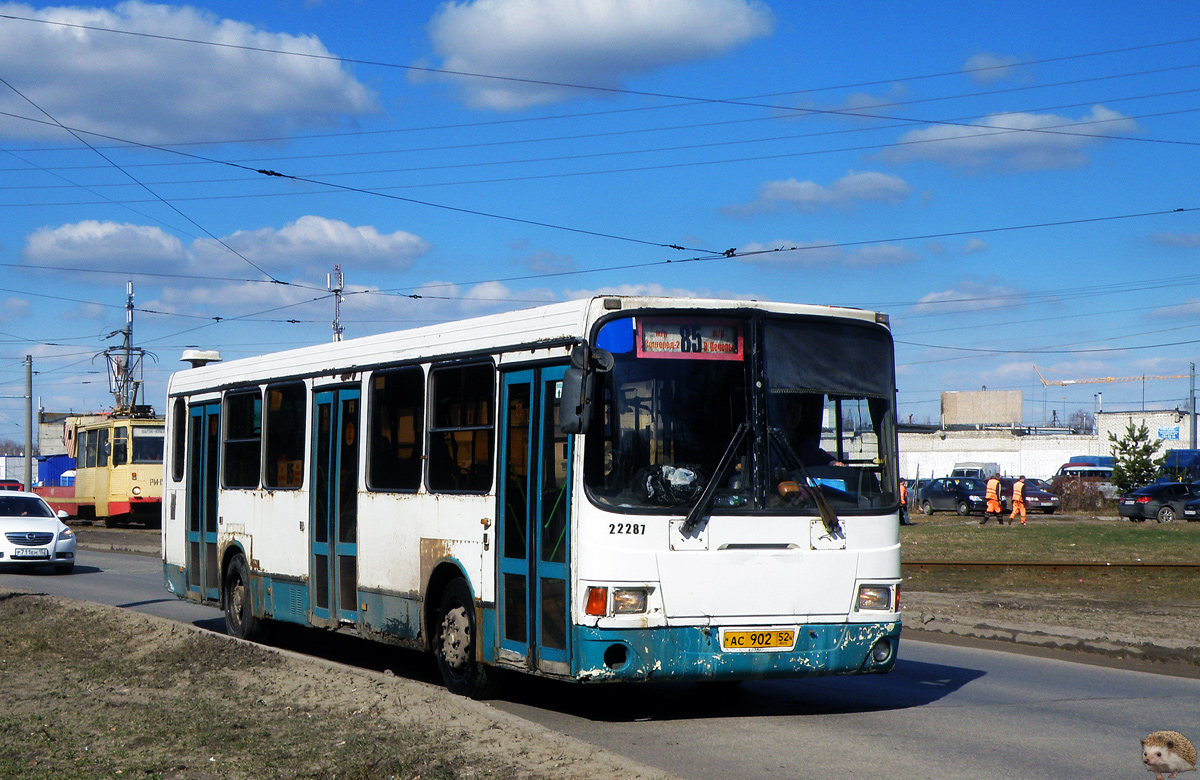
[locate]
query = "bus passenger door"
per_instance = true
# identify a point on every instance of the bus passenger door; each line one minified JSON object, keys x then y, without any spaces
{"x":334,"y":509}
{"x":203,"y":481}
{"x":532,"y":593}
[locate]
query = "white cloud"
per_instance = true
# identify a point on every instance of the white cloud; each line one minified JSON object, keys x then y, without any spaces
{"x":652,"y":290}
{"x":91,"y":244}
{"x":1184,"y":240}
{"x":310,"y":246}
{"x":823,"y":253}
{"x":1020,"y":140}
{"x":1188,"y":310}
{"x":969,"y":296}
{"x":14,"y":310}
{"x":975,"y":246}
{"x":548,"y":263}
{"x":988,"y":68}
{"x":157,"y":91}
{"x":599,"y":43}
{"x":845,"y":193}
{"x":313,"y":244}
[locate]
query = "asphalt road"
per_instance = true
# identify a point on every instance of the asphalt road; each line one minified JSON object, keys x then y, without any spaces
{"x":944,"y":712}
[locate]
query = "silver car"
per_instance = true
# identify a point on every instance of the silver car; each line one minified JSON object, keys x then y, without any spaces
{"x":31,"y":534}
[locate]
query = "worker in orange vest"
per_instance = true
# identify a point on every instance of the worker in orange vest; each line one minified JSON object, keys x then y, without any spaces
{"x":993,"y":501}
{"x":904,"y":503}
{"x":1018,"y":500}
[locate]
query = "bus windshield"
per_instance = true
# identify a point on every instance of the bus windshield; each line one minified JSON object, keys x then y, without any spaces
{"x":816,"y":396}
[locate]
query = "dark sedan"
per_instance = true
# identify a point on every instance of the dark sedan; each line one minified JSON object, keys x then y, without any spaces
{"x":1163,"y":501}
{"x":1036,"y":497}
{"x":1191,"y":510}
{"x":953,"y":494}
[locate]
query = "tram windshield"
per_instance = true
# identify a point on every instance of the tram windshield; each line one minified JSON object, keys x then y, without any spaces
{"x":814,"y":395}
{"x":147,"y":444}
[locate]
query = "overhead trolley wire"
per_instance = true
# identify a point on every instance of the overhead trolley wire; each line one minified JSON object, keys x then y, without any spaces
{"x":159,"y":198}
{"x":641,"y":131}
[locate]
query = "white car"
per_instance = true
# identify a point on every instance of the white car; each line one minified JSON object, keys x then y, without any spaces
{"x":31,"y":534}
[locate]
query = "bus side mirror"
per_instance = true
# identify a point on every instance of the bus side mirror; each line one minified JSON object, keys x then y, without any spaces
{"x":576,"y":409}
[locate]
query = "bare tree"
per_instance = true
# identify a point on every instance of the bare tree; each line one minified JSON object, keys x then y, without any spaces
{"x":1081,"y":421}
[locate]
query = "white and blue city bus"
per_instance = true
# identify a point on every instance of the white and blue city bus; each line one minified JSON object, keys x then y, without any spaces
{"x":613,"y":489}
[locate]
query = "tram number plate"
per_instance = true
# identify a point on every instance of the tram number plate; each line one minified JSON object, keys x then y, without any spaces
{"x":761,"y":639}
{"x":31,"y":552}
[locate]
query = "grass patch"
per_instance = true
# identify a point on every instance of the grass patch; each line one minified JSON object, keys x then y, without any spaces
{"x":944,"y":538}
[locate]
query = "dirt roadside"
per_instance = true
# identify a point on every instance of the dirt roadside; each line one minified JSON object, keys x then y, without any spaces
{"x":96,"y":691}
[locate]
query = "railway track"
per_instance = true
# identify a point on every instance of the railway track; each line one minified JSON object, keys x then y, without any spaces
{"x":919,"y":566}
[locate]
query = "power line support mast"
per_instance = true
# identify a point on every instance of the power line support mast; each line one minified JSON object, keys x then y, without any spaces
{"x":335,"y":283}
{"x":28,"y":481}
{"x":125,"y":363}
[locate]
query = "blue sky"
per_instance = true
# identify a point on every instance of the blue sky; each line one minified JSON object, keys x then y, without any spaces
{"x":1014,"y":183}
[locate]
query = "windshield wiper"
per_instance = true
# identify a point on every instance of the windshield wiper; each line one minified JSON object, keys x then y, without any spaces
{"x":706,"y":496}
{"x":832,"y":523}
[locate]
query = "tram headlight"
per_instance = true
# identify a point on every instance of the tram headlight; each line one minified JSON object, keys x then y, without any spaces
{"x":137,"y":491}
{"x":629,"y":601}
{"x":874,"y":597}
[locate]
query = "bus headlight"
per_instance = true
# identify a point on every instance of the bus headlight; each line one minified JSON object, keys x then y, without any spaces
{"x":877,"y":597}
{"x":629,"y":601}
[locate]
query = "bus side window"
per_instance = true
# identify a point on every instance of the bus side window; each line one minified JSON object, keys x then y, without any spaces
{"x":120,"y":446}
{"x":397,"y":429}
{"x":462,"y":433}
{"x":178,"y":439}
{"x":285,"y":420}
{"x":243,"y":439}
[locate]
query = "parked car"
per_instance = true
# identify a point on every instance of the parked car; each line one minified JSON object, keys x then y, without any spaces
{"x":1191,"y":510}
{"x":11,"y":484}
{"x":955,"y":494}
{"x":1163,"y":501}
{"x":1100,"y":476}
{"x":31,"y":534}
{"x":1036,"y":497}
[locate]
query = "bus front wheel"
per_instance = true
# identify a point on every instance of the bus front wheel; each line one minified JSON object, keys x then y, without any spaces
{"x":239,"y":616}
{"x":455,"y":645}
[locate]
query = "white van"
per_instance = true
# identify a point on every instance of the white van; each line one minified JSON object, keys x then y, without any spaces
{"x":975,"y":469}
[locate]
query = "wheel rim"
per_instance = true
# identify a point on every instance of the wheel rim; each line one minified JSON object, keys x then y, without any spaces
{"x":927,"y":508}
{"x":1166,"y":514}
{"x":237,"y":598}
{"x":456,"y":638}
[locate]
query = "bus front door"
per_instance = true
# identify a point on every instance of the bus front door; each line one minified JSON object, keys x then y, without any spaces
{"x":204,"y":447}
{"x":334,"y":508}
{"x":532,"y":593}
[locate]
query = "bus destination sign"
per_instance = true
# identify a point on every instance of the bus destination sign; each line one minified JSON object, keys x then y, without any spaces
{"x":689,"y":339}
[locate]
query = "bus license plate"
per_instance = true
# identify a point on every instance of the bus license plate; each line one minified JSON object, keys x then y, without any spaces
{"x":31,"y":552}
{"x":758,"y":640}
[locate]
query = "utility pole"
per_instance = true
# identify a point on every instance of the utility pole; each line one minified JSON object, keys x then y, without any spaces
{"x":1192,"y":406}
{"x":28,"y":423}
{"x":335,"y":283}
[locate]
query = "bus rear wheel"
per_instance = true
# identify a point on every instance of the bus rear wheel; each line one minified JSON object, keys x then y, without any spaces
{"x":455,"y":642}
{"x":239,"y":616}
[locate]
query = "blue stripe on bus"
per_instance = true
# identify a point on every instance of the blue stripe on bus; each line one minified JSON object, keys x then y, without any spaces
{"x":694,"y":653}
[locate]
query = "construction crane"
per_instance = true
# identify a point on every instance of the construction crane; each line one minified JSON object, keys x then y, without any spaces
{"x":1103,"y":379}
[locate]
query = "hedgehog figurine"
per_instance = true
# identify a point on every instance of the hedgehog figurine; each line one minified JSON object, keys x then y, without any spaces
{"x":1168,"y":751}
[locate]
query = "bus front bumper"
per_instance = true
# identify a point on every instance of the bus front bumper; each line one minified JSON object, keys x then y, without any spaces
{"x":694,"y":653}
